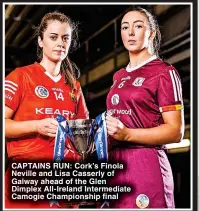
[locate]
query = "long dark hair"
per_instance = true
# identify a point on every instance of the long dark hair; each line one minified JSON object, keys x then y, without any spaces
{"x":153,"y":24}
{"x":68,"y":68}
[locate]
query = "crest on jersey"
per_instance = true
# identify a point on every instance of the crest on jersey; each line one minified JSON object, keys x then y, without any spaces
{"x":73,"y":97}
{"x":115,"y":99}
{"x":41,"y":92}
{"x":138,"y":81}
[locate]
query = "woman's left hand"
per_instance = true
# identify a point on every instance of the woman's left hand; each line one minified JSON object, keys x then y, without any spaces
{"x":116,"y":128}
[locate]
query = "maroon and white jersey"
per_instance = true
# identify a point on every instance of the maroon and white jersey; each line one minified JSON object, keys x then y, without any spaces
{"x":138,"y":96}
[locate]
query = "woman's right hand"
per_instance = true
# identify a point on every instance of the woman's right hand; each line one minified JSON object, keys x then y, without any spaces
{"x":46,"y":127}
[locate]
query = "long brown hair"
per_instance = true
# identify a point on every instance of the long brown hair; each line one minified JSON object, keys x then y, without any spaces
{"x":68,"y":68}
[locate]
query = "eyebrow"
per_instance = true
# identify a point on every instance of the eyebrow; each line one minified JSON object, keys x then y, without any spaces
{"x":63,"y":35}
{"x":133,"y":22}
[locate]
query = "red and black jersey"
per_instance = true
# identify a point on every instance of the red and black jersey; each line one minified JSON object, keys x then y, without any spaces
{"x":138,"y":96}
{"x":33,"y":94}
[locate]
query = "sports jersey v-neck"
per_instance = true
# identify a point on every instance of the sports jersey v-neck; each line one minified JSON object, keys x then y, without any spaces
{"x":55,"y":79}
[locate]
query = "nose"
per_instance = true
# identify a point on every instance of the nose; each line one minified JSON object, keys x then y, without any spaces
{"x":131,"y":31}
{"x":60,"y":42}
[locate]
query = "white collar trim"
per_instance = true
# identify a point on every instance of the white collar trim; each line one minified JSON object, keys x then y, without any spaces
{"x":130,"y":69}
{"x":55,"y":79}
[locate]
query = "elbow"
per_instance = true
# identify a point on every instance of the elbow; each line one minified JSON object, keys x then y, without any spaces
{"x":178,"y":138}
{"x":8,"y":135}
{"x":178,"y":135}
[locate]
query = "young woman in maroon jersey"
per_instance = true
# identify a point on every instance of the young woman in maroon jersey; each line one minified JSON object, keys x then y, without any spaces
{"x":145,"y":112}
{"x":36,"y":93}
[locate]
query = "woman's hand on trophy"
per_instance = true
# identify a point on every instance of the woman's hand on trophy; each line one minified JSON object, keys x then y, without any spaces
{"x":116,"y":128}
{"x":46,"y":127}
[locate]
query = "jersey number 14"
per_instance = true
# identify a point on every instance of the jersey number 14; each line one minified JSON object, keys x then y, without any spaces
{"x":59,"y":96}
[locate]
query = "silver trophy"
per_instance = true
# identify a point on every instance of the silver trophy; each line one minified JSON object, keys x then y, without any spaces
{"x":81,"y":141}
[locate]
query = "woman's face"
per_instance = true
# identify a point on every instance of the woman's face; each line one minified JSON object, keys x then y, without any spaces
{"x":56,"y":41}
{"x":135,"y":31}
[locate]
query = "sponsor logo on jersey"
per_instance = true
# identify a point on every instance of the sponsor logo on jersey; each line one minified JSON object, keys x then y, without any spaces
{"x":58,"y":89}
{"x":52,"y":111}
{"x":142,"y":201}
{"x":138,"y":81}
{"x":127,"y":78}
{"x":115,"y":99}
{"x":7,"y":96}
{"x":41,"y":92}
{"x":119,"y":111}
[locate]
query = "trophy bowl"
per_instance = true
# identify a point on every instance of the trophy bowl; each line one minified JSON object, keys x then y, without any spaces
{"x":82,"y":142}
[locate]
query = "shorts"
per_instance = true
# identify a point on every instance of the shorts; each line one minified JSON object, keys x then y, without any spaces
{"x":148,"y":172}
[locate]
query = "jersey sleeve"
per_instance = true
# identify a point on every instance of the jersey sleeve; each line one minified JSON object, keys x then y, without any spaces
{"x":82,"y":111}
{"x":170,"y":91}
{"x":13,"y":88}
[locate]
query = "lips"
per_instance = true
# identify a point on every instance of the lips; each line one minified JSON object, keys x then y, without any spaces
{"x":58,"y":51}
{"x":131,"y":41}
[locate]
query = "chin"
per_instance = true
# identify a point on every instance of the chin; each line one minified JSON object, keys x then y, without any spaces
{"x":134,"y":50}
{"x":59,"y":59}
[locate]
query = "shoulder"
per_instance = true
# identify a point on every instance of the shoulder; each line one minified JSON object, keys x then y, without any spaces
{"x":78,"y":85}
{"x":24,"y":70}
{"x":159,"y":65}
{"x":118,"y":73}
{"x":169,"y":69}
{"x":161,"y":68}
{"x":28,"y":68}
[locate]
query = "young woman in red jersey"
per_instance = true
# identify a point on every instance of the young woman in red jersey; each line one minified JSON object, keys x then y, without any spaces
{"x":37,"y":93}
{"x":145,"y":108}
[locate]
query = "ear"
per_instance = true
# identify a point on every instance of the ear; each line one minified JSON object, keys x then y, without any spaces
{"x":40,"y":42}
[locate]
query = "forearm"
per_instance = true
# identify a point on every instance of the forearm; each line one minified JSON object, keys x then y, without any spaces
{"x":15,"y":129}
{"x":159,"y":135}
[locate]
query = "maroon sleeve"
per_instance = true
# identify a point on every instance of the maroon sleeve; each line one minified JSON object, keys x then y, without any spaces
{"x":170,"y":90}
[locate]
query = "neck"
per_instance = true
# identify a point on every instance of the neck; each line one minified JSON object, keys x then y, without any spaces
{"x":138,"y":58}
{"x":51,"y":67}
